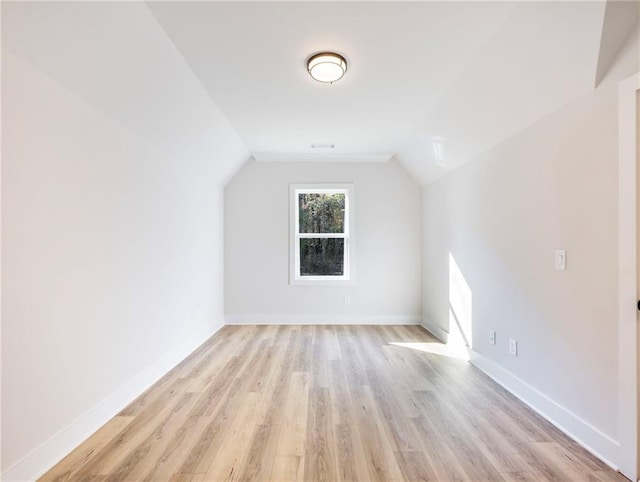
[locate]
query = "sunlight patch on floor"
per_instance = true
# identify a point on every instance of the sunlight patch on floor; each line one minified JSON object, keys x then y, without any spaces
{"x":451,"y":351}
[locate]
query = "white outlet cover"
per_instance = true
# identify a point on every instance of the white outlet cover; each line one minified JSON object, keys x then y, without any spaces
{"x":513,"y":347}
{"x":561,"y":259}
{"x":492,"y":337}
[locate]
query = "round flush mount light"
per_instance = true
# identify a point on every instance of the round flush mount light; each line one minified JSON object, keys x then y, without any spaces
{"x":327,"y":67}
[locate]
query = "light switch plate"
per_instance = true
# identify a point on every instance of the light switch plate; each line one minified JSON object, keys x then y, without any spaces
{"x":492,"y":337}
{"x":561,"y":259}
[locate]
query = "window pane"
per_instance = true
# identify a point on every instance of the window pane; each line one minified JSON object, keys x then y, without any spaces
{"x":321,"y":213}
{"x":322,"y":257}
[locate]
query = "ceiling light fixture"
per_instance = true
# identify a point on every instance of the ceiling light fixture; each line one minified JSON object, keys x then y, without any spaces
{"x":327,"y":67}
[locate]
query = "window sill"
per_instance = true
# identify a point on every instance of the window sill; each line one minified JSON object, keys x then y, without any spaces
{"x":320,"y":282}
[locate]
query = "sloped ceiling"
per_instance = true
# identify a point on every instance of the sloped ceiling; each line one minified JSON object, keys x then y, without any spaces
{"x":620,"y":18}
{"x":115,"y":56}
{"x":252,"y":56}
{"x":432,"y":83}
{"x":542,"y":57}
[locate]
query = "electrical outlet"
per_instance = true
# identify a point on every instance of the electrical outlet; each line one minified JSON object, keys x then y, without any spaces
{"x":561,"y":259}
{"x":492,"y":337}
{"x":513,"y":347}
{"x":347,"y":300}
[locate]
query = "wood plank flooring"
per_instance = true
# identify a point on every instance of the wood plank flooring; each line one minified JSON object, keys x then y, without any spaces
{"x":327,"y":403}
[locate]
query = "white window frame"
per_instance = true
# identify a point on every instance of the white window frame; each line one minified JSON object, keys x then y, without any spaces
{"x":295,"y":235}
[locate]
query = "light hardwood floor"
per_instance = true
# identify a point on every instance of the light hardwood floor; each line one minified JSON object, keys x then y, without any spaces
{"x":327,"y":403}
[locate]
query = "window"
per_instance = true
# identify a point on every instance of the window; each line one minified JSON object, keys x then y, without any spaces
{"x":321,"y":233}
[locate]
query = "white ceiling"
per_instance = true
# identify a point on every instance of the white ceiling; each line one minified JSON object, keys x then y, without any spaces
{"x":116,"y":57}
{"x":433,"y":83}
{"x":544,"y":56}
{"x":401,"y":58}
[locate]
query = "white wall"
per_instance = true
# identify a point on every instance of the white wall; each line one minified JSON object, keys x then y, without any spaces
{"x":552,"y":186}
{"x":387,"y":252}
{"x":112,"y":260}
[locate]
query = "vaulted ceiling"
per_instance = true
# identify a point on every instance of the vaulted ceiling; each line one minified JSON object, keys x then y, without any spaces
{"x":251,"y":57}
{"x":432,"y":83}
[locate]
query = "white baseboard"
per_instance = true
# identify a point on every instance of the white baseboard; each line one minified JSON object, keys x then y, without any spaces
{"x":592,"y":439}
{"x":41,"y":459}
{"x":435,"y":330}
{"x":322,"y":320}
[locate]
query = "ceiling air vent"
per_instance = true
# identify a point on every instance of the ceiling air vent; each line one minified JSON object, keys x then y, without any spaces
{"x":323,"y":146}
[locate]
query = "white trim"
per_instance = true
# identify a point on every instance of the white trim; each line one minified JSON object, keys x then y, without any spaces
{"x":440,"y":333}
{"x":321,"y":235}
{"x":294,"y":235}
{"x":1,"y":224}
{"x":319,"y":157}
{"x":41,"y":459}
{"x":627,"y":279}
{"x":592,"y":439}
{"x":322,"y":319}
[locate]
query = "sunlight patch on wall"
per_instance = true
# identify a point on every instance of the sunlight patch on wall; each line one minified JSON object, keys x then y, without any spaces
{"x":460,"y":308}
{"x":460,"y":332}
